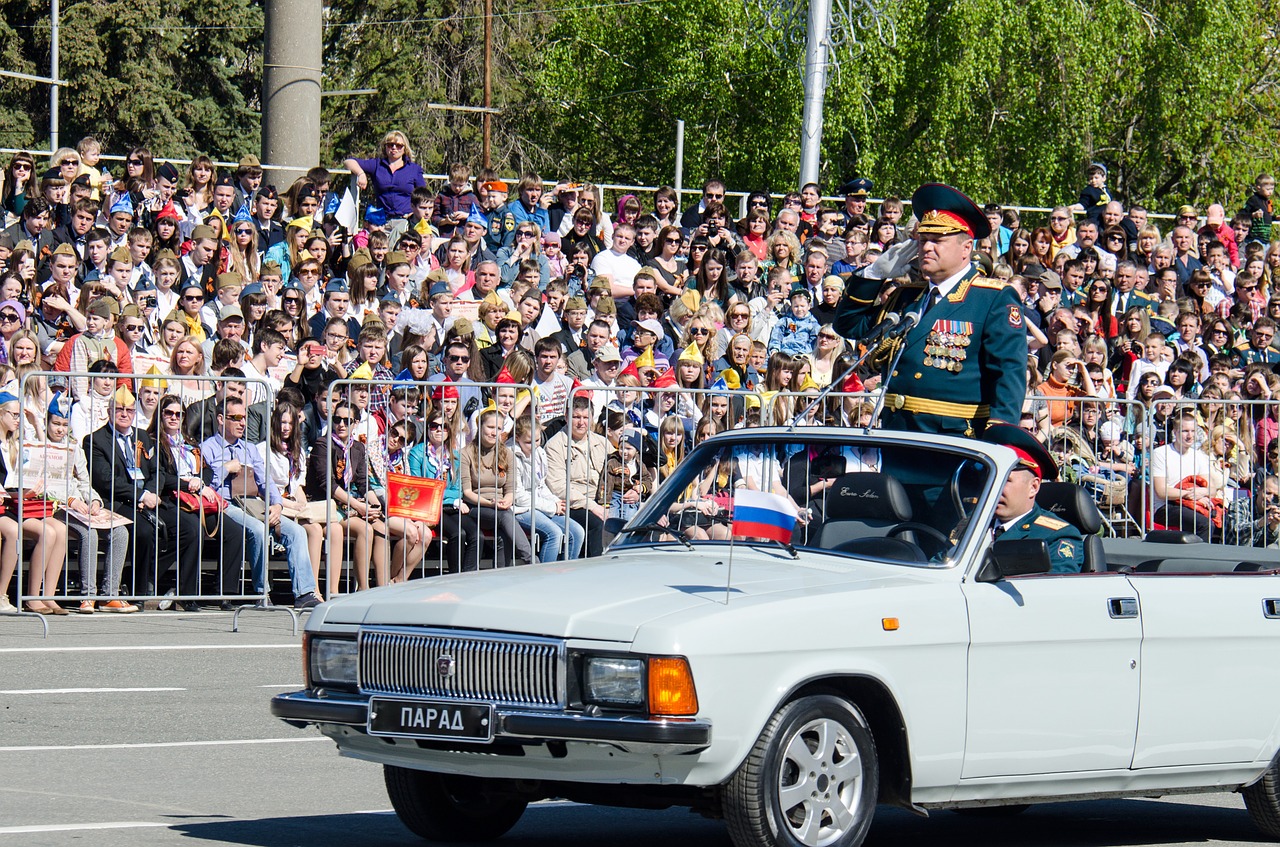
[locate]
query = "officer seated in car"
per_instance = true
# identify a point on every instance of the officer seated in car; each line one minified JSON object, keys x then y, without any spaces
{"x":1018,"y":516}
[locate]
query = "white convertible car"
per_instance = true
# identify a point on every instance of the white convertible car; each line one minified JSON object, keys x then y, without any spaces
{"x":892,"y":653}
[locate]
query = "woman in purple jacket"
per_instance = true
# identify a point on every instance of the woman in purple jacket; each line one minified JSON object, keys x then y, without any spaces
{"x":393,"y":177}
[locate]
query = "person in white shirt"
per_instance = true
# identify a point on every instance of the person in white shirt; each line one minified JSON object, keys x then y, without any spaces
{"x":615,"y":262}
{"x":1183,"y":478}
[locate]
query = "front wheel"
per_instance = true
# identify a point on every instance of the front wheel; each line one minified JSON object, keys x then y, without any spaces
{"x":1262,"y":799}
{"x":811,"y":779}
{"x":442,"y":807}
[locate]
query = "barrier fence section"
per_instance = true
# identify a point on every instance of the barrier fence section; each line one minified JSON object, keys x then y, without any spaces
{"x":533,"y":474}
{"x":100,"y":475}
{"x":484,"y":493}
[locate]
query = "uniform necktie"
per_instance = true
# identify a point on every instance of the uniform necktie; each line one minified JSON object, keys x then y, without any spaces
{"x":931,"y":299}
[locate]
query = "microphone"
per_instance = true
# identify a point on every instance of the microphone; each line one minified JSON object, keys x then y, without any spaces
{"x":882,"y":330}
{"x":904,"y":325}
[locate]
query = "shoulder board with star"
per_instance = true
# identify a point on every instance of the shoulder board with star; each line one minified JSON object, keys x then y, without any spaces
{"x":1049,"y":522}
{"x":986,"y":282}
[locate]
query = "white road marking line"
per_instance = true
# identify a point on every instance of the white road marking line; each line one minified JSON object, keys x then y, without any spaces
{"x":75,"y":827}
{"x":149,"y":744}
{"x":85,"y":690}
{"x":285,"y":685}
{"x":145,"y":647}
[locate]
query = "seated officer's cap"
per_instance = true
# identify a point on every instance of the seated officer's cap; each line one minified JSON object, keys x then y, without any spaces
{"x":1031,"y":453}
{"x":942,"y":210}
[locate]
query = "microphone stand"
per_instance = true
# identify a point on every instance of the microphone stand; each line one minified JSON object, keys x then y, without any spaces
{"x":888,"y":329}
{"x":907,"y":326}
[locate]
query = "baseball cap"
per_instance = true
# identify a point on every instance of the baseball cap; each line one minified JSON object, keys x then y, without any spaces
{"x":650,"y":325}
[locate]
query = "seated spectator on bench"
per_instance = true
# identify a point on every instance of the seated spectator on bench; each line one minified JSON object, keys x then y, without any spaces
{"x":123,"y":466}
{"x":76,"y":492}
{"x":1184,"y":482}
{"x":576,"y":459}
{"x":488,"y":486}
{"x":50,"y":536}
{"x":177,"y":468}
{"x":339,"y":468}
{"x":235,"y":468}
{"x":537,"y":509}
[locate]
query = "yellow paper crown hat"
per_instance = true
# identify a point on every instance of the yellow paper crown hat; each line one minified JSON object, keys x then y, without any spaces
{"x":645,"y":359}
{"x":154,"y":381}
{"x":692,"y":354}
{"x":731,"y":378}
{"x":362,"y":372}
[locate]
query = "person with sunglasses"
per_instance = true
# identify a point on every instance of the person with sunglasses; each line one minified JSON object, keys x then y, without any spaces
{"x":712,"y":192}
{"x":393,"y":176}
{"x":235,"y":468}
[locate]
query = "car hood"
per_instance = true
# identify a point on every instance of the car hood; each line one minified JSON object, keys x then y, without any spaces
{"x":607,"y":598}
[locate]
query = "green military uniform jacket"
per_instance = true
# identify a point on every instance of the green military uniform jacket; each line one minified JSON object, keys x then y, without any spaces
{"x":965,"y":362}
{"x":1064,"y":541}
{"x":1247,"y":354}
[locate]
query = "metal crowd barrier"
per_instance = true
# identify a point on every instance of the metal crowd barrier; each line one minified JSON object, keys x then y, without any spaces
{"x":48,"y":471}
{"x":1107,"y":446}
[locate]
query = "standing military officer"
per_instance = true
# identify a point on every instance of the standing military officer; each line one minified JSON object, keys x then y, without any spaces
{"x":1017,"y":514}
{"x":965,"y":362}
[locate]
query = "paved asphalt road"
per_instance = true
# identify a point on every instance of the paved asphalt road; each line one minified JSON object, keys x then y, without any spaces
{"x":153,"y":729}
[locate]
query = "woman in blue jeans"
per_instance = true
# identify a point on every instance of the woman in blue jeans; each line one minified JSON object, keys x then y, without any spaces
{"x":536,"y":508}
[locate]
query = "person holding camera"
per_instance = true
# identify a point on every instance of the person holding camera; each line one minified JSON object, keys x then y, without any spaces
{"x":1068,"y":378}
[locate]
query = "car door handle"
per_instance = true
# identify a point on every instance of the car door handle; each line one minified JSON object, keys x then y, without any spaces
{"x":1271,"y":608}
{"x":1123,"y":607}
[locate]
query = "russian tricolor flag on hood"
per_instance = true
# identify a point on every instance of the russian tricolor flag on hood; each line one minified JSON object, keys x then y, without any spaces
{"x":758,"y":514}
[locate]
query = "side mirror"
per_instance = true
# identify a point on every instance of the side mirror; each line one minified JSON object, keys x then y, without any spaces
{"x":613,"y":526}
{"x":1015,"y":557}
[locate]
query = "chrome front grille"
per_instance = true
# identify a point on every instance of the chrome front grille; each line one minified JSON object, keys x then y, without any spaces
{"x":511,"y":670}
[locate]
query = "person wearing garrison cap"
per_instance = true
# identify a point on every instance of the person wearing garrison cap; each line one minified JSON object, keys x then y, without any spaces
{"x":1018,"y":516}
{"x":964,"y":362}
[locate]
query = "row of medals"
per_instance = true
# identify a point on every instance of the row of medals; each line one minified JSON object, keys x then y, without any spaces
{"x":946,"y":350}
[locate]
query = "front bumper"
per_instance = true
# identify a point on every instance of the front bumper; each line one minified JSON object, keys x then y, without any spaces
{"x":301,"y":708}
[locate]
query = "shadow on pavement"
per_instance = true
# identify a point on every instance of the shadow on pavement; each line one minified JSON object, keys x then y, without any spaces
{"x":1110,"y":823}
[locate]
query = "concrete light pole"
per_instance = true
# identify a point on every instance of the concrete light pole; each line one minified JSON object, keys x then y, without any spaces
{"x":291,"y":86}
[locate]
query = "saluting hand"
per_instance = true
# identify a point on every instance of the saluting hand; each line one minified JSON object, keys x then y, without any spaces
{"x":895,"y":261}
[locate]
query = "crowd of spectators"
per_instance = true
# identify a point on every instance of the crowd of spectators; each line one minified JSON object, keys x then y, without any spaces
{"x":566,"y":309}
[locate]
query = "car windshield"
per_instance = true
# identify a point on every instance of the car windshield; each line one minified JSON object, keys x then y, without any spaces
{"x":837,"y":492}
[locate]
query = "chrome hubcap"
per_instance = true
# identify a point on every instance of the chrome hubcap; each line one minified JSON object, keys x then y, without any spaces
{"x":819,"y":782}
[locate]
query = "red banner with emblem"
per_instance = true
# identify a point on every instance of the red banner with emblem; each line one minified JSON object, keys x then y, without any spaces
{"x":414,"y":498}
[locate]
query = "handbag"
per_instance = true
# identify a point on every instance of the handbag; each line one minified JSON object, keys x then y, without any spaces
{"x":37,"y":508}
{"x":313,"y":512}
{"x":207,"y":502}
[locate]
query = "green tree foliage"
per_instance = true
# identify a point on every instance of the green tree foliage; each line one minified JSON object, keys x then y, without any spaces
{"x":417,"y":52}
{"x":181,"y":76}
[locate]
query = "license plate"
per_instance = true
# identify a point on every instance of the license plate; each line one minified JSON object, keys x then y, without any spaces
{"x":442,"y":719}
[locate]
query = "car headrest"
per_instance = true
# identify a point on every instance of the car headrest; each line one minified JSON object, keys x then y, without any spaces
{"x":869,"y":497}
{"x":1071,"y":503}
{"x":1173,"y":536}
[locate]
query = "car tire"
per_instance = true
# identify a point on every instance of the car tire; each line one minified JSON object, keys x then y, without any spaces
{"x":443,"y":807}
{"x":1262,"y":799}
{"x":810,"y":780}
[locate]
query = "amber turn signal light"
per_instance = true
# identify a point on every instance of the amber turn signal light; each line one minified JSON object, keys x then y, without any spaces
{"x":671,"y":691}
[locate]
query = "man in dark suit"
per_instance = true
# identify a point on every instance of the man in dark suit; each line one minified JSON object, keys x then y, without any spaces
{"x":122,"y":468}
{"x":35,"y":226}
{"x":201,"y":420}
{"x":337,"y":300}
